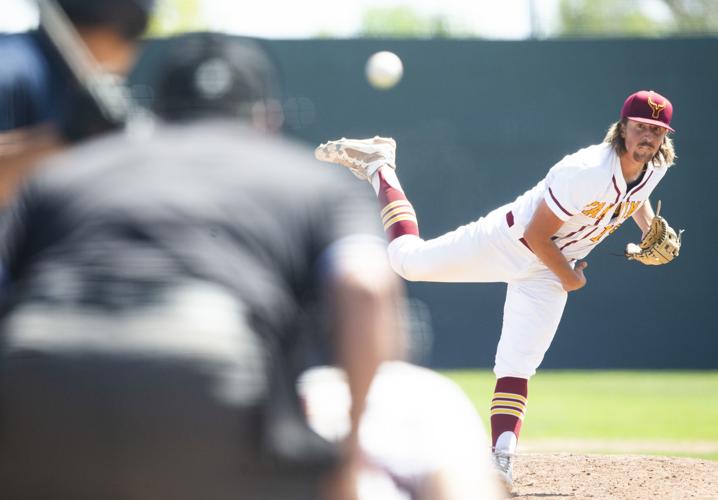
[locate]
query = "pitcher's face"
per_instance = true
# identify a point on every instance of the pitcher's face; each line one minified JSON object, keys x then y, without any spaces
{"x":642,"y":140}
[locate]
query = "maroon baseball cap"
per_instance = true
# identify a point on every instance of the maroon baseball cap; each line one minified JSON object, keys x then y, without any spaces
{"x":648,"y":106}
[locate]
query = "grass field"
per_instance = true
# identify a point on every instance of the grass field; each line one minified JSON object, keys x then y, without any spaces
{"x":646,"y":412}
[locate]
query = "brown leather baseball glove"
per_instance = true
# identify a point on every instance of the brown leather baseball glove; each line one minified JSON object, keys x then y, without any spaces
{"x":659,"y":246}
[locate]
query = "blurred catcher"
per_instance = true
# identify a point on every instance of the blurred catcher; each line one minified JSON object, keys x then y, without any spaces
{"x":536,"y":244}
{"x":159,"y":297}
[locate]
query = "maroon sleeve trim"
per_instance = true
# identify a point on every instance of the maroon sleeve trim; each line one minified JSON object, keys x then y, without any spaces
{"x":558,"y":204}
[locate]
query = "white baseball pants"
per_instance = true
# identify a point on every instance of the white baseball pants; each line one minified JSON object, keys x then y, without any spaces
{"x":488,"y":251}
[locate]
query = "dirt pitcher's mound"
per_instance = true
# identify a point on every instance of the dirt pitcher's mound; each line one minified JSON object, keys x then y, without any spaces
{"x":561,"y":476}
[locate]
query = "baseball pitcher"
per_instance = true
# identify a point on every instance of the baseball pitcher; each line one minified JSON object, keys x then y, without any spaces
{"x":536,"y":244}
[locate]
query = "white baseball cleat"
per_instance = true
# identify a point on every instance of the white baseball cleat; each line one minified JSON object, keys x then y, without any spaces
{"x":362,"y":156}
{"x":502,"y":462}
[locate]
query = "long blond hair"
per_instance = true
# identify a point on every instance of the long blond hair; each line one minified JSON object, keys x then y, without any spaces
{"x":665,"y":156}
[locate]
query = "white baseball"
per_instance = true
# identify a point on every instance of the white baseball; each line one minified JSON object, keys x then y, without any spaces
{"x":384,"y":70}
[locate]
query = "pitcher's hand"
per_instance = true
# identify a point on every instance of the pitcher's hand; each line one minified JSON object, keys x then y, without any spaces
{"x":578,"y":280}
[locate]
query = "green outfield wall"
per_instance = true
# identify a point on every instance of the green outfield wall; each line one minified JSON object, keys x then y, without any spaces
{"x":479,"y":122}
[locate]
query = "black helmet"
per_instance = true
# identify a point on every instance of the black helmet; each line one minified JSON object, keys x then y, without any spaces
{"x":128,"y":17}
{"x":207,"y":74}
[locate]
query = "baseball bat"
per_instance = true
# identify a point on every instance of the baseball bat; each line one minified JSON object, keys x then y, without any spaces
{"x":111,"y":97}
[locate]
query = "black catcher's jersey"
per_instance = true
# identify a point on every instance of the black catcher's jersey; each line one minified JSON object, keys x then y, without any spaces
{"x":110,"y":222}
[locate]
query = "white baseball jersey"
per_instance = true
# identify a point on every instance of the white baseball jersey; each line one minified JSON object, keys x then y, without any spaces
{"x":587,"y":191}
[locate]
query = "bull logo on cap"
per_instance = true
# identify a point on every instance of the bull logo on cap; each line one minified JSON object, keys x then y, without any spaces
{"x":656,"y":107}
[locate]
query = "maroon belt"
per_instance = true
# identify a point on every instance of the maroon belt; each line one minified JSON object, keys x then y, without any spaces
{"x":510,"y":222}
